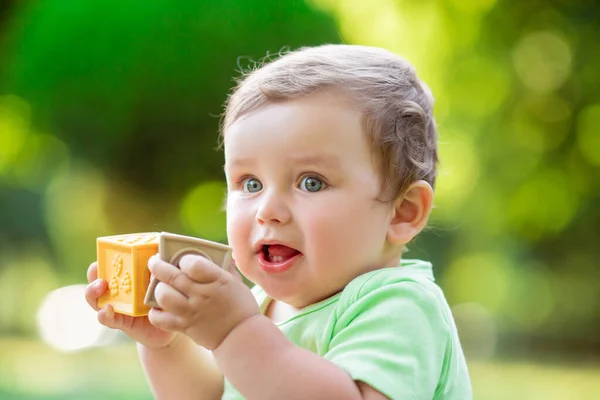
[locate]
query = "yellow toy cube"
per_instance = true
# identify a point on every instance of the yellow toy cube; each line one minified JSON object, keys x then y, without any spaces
{"x":123,"y":263}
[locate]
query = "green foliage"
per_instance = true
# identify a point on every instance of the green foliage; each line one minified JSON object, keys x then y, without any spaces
{"x":136,"y":88}
{"x":109,"y":114}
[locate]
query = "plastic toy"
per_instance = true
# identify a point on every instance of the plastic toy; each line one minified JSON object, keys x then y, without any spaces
{"x":123,"y":263}
{"x":172,"y":247}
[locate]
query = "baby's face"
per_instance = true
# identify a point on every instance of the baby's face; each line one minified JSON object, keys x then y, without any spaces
{"x":302,"y":214}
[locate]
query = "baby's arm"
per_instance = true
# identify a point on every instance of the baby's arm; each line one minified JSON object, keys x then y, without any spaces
{"x":216,"y":311}
{"x":391,"y":339}
{"x":182,"y":370}
{"x":176,"y":367}
{"x":263,"y":364}
{"x":400,"y":356}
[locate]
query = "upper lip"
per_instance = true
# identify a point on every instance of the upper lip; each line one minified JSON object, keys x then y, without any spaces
{"x":258,"y":247}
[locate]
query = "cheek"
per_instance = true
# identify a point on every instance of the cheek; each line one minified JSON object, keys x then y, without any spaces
{"x":239,"y":248}
{"x":330,"y":231}
{"x":344,"y":232}
{"x":238,"y":225}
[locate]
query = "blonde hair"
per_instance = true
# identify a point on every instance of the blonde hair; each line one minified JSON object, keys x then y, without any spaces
{"x":397,"y":106}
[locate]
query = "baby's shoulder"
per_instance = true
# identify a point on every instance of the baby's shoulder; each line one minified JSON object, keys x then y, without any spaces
{"x":409,"y":285}
{"x":412,"y":274}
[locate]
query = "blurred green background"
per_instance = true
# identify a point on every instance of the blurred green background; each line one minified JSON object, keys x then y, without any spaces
{"x":108,"y":123}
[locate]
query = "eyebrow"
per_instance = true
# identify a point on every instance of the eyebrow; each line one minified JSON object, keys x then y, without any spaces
{"x":240,"y":163}
{"x":326,"y":161}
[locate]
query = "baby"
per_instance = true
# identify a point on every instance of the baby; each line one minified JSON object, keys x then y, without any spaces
{"x":330,"y":160}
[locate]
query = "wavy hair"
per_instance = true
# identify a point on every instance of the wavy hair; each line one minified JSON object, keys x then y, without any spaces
{"x":397,"y":106}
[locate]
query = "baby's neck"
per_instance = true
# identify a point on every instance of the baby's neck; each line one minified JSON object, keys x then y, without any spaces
{"x":280,"y":312}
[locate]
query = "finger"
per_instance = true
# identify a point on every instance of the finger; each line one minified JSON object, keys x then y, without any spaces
{"x":92,"y":272}
{"x":170,"y":300}
{"x":169,"y":274}
{"x":165,"y":320}
{"x":200,"y":269}
{"x":109,"y":318}
{"x":94,"y":290}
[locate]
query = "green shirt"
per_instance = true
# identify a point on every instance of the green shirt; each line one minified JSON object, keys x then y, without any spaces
{"x":390,"y":328}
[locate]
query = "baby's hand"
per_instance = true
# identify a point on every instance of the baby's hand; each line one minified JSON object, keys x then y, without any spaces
{"x":199,"y":299}
{"x":138,"y":328}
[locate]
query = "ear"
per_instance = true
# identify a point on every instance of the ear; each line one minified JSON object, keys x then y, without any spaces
{"x":410,"y":213}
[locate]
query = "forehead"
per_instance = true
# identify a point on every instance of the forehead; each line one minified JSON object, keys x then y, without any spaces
{"x":315,"y":127}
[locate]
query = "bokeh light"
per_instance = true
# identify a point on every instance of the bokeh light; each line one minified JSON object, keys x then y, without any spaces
{"x":14,"y":121}
{"x":543,"y":60}
{"x":203,"y":210}
{"x":67,"y":322}
{"x":485,"y":279}
{"x":588,"y":137}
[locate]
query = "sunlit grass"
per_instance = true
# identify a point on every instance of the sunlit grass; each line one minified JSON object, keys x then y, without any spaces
{"x":526,"y":380}
{"x":31,"y":370}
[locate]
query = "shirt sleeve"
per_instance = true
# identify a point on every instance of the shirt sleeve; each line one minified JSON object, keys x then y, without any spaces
{"x":394,"y":338}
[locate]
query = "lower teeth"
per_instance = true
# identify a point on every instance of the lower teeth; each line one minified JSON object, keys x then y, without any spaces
{"x":276,"y":259}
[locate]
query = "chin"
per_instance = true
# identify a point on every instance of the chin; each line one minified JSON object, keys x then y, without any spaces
{"x":278,"y":293}
{"x":248,"y":273}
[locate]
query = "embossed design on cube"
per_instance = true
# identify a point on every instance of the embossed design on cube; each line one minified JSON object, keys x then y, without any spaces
{"x":123,"y":263}
{"x":118,"y":264}
{"x":126,"y":283}
{"x":133,"y":239}
{"x":114,"y":286}
{"x":150,"y":238}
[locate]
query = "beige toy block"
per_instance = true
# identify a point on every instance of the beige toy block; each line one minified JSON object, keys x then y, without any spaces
{"x":123,"y":263}
{"x":172,"y":247}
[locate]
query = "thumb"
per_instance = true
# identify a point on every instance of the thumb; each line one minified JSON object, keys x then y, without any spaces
{"x":232,"y":269}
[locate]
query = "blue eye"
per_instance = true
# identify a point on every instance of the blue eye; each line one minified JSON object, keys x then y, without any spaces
{"x":312,"y":184}
{"x":252,"y":185}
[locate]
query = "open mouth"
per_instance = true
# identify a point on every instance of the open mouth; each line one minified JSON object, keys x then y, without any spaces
{"x":277,"y":257}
